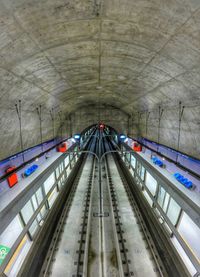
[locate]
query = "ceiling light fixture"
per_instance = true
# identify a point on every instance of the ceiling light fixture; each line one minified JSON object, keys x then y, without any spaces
{"x":121,"y":77}
{"x":99,"y":87}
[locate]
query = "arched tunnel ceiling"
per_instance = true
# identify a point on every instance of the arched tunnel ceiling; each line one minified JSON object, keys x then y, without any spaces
{"x":133,"y":55}
{"x":61,"y":52}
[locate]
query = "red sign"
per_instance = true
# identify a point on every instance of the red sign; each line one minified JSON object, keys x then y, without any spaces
{"x":101,"y":126}
{"x":62,"y":148}
{"x":12,"y":179}
{"x":137,"y":147}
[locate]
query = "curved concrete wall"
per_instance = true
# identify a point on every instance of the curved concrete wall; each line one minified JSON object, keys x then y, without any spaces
{"x":111,"y":116}
{"x":169,"y":126}
{"x":131,"y":55}
{"x":10,"y":134}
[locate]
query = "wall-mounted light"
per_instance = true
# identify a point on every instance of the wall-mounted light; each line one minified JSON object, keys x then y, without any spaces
{"x":77,"y":136}
{"x":121,"y":77}
{"x":99,"y":87}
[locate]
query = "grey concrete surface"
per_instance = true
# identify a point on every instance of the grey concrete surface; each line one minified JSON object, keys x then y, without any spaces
{"x":102,"y":258}
{"x":66,"y":256}
{"x":94,"y":253}
{"x":123,"y":55}
{"x":141,"y":260}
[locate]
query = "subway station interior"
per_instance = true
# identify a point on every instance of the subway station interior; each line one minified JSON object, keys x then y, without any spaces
{"x":100,"y":138}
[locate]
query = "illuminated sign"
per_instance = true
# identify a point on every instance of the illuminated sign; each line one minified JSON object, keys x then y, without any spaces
{"x":122,"y":136}
{"x":3,"y":252}
{"x":77,"y":136}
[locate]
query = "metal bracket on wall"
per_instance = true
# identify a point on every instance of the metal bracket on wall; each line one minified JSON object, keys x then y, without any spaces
{"x":53,"y":120}
{"x":39,"y":112}
{"x":70,"y":124}
{"x":147,"y":118}
{"x":139,"y":117}
{"x":18,"y":107}
{"x":160,"y":113}
{"x":61,"y":123}
{"x":181,"y":110}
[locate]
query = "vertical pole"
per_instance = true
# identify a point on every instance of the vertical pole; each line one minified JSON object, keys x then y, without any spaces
{"x":61,"y":124}
{"x":19,"y":114}
{"x":181,"y":110}
{"x":39,"y":112}
{"x":133,"y":122}
{"x":159,"y":121}
{"x":147,"y":118}
{"x":128,"y":124}
{"x":100,"y":189}
{"x":132,"y":133}
{"x":52,"y":118}
{"x":70,"y":125}
{"x":99,"y":118}
{"x":139,"y":116}
{"x":61,"y":128}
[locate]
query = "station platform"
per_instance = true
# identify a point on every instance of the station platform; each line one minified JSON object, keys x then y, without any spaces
{"x":8,"y":196}
{"x":193,"y":195}
{"x":102,"y":210}
{"x":171,"y":167}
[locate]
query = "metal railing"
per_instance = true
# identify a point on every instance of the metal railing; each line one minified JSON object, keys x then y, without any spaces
{"x":186,"y":204}
{"x":64,"y":164}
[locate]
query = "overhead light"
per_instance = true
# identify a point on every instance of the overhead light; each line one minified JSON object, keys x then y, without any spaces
{"x":77,"y":136}
{"x":121,"y":77}
{"x":99,"y":87}
{"x":122,"y":136}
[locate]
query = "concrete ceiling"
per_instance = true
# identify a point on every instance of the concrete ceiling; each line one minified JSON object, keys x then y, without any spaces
{"x":132,"y":55}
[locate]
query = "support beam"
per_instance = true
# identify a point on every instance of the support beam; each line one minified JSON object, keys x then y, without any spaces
{"x":39,"y":112}
{"x":160,"y":113}
{"x":181,"y":110}
{"x":19,"y":114}
{"x":53,"y":121}
{"x":139,"y":117}
{"x":147,"y":118}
